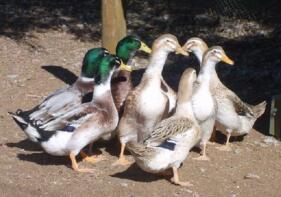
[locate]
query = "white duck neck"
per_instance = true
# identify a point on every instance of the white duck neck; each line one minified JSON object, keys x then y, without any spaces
{"x":102,"y":90}
{"x":184,"y":109}
{"x":184,"y":103}
{"x":207,"y":71}
{"x":156,"y":63}
{"x":199,"y":54}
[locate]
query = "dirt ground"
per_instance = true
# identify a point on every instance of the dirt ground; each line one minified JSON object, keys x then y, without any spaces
{"x":252,"y":168}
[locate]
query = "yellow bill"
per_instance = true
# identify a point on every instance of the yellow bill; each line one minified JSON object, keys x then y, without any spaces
{"x":227,"y":60}
{"x":187,"y":47}
{"x":179,"y":50}
{"x":125,"y":67}
{"x":145,"y":48}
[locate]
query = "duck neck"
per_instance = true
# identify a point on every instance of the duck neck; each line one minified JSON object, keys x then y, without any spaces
{"x":102,"y":92}
{"x":207,"y":72}
{"x":199,"y":54}
{"x":184,"y":105}
{"x":156,"y":64}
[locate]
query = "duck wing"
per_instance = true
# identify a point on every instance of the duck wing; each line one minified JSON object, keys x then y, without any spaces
{"x":75,"y":116}
{"x":167,"y":129}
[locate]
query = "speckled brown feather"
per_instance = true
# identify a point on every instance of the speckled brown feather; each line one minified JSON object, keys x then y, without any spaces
{"x":168,"y":128}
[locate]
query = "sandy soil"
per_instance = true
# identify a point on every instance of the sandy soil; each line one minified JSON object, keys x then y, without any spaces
{"x":26,"y":170}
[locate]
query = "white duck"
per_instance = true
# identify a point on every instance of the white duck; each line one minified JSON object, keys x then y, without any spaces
{"x":234,"y":117}
{"x":203,"y":102}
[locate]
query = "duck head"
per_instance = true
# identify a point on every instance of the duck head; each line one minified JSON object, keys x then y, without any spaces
{"x":168,"y":43}
{"x":127,"y":47}
{"x":216,"y":54}
{"x":91,"y":62}
{"x":107,"y":66}
{"x":197,"y":46}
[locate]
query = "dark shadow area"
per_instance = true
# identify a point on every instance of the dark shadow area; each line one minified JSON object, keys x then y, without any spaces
{"x":81,"y":18}
{"x":44,"y":159}
{"x":221,"y":138}
{"x":61,"y":73}
{"x":136,"y":174}
{"x":25,"y":144}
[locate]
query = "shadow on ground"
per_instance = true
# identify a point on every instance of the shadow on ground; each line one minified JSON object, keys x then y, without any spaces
{"x":61,"y":73}
{"x":136,"y":174}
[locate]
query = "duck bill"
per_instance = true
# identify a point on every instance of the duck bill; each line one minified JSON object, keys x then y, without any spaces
{"x":227,"y":60}
{"x":125,"y":67}
{"x":187,"y":46}
{"x":180,"y":50}
{"x":145,"y":48}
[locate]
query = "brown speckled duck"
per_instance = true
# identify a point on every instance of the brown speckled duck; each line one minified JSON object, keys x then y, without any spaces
{"x":171,"y":140}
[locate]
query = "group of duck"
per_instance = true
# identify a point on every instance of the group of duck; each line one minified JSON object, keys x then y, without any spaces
{"x":157,"y":125}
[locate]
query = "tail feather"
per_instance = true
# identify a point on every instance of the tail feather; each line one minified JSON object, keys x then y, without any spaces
{"x":33,"y":132}
{"x":21,"y":122}
{"x":259,"y":109}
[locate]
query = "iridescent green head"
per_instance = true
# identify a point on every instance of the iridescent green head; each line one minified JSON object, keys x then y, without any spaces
{"x":107,"y":66}
{"x":91,"y":61}
{"x":127,"y":47}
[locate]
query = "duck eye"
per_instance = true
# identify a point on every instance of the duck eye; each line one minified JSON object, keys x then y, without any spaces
{"x":216,"y":51}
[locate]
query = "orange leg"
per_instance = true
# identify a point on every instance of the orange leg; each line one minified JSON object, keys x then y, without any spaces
{"x":91,"y":159}
{"x":226,"y":147}
{"x":176,"y":180}
{"x":75,"y":167}
{"x":122,"y":160}
{"x":204,"y":156}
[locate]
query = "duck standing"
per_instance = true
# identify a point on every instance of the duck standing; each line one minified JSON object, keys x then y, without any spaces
{"x":203,"y":102}
{"x":121,"y":84}
{"x":88,"y":122}
{"x":62,"y":100}
{"x":171,"y":140}
{"x":234,"y":117}
{"x":147,"y":104}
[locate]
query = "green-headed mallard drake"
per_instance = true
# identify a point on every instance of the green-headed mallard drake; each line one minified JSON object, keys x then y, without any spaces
{"x":147,"y":104}
{"x":121,"y":84}
{"x":234,"y":117}
{"x":87,"y":123}
{"x":62,"y":100}
{"x":171,"y":140}
{"x":203,"y":102}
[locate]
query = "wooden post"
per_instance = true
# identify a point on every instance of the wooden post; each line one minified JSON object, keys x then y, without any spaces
{"x":113,"y":24}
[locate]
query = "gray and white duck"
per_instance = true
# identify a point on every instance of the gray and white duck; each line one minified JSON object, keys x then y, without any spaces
{"x":234,"y":117}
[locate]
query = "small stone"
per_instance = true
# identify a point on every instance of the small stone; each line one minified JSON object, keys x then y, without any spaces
{"x":202,"y":170}
{"x":80,"y":26}
{"x":187,"y":190}
{"x":12,"y":76}
{"x":237,"y":151}
{"x":251,"y":176}
{"x":124,"y":184}
{"x":270,"y":141}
